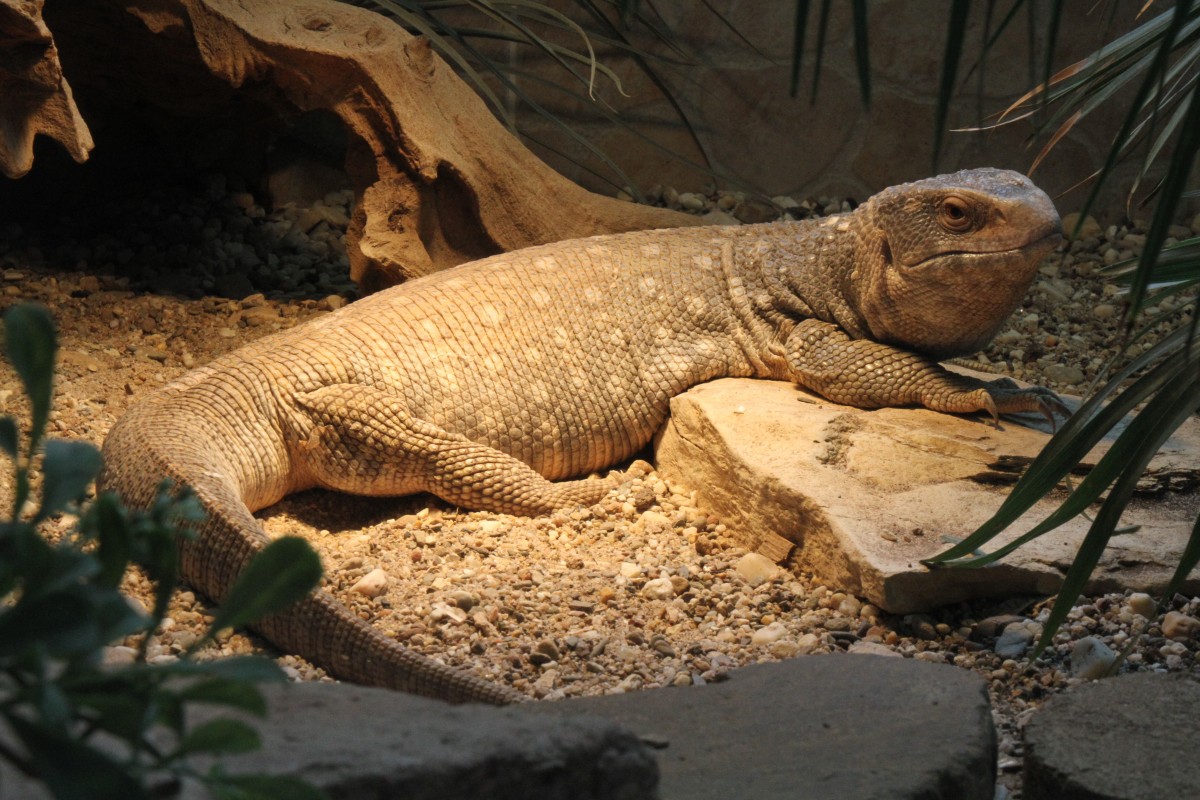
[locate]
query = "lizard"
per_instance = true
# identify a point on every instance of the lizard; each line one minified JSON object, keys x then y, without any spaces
{"x":506,"y":383}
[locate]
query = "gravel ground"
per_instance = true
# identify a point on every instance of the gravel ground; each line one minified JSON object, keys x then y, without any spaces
{"x":644,"y":589}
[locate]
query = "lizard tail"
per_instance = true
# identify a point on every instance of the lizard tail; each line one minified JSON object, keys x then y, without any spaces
{"x":144,"y":446}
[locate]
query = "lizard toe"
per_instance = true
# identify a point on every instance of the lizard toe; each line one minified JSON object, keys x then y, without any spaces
{"x":639,"y":468}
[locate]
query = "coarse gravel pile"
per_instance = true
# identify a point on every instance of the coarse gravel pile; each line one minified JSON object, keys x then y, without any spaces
{"x":645,"y":589}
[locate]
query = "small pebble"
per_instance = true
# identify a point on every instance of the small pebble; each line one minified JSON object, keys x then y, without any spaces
{"x":1016,"y":639}
{"x":808,"y":643}
{"x":754,"y":568}
{"x":373,"y":584}
{"x":1091,"y":658}
{"x":1066,"y":374}
{"x":442,"y":612}
{"x":1179,"y":626}
{"x":659,"y":589}
{"x":119,"y":655}
{"x":1142,"y":603}
{"x":922,"y":626}
{"x":768,"y":634}
{"x":872,"y":649}
{"x":549,"y":649}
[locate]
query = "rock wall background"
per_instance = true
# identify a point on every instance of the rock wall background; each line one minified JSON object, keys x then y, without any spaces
{"x":754,"y":129}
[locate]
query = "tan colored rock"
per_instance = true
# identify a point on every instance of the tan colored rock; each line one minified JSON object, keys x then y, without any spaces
{"x":1142,"y":603}
{"x":873,"y":649}
{"x":659,"y":589}
{"x":1092,"y":659}
{"x":754,"y":568}
{"x":768,"y":634}
{"x":1089,"y":227}
{"x":860,"y":497}
{"x":1179,"y":626}
{"x":373,"y":584}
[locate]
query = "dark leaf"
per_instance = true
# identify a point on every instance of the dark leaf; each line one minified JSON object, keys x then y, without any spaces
{"x":116,"y":616}
{"x":67,"y":469}
{"x":284,"y":572}
{"x":219,"y":736}
{"x":822,"y":29}
{"x":121,"y":710}
{"x":168,"y":709}
{"x":957,"y":31}
{"x":1080,"y":433}
{"x":48,"y":569}
{"x":1187,"y":561}
{"x":1174,"y":22}
{"x":72,"y":769}
{"x":1186,"y":148}
{"x":9,"y":437}
{"x":1056,"y":10}
{"x":862,"y":58}
{"x":1165,"y":414}
{"x":257,"y":669}
{"x":53,"y":706}
{"x":237,"y":694}
{"x":31,"y":342}
{"x":106,"y":519}
{"x":801,"y":25}
{"x":60,"y":622}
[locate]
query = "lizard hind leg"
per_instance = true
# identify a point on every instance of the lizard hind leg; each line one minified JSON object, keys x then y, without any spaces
{"x":364,"y":441}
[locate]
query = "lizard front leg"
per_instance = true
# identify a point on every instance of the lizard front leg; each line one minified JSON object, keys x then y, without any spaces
{"x":365,"y":441}
{"x":867,"y":374}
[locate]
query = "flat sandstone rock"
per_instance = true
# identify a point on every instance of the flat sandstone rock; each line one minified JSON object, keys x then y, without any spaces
{"x":860,"y":497}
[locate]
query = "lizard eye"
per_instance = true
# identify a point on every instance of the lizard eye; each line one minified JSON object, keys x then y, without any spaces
{"x":954,"y":214}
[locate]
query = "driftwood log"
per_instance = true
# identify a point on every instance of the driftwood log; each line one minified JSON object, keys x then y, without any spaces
{"x":437,"y":179}
{"x":35,"y":98}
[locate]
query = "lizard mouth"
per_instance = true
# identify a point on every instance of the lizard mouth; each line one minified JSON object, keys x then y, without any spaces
{"x":1046,"y":241}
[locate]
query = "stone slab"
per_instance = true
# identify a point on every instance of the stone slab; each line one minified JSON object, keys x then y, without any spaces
{"x":818,"y":727}
{"x":833,"y":726}
{"x":859,"y":497}
{"x":356,"y":742}
{"x":1132,"y":737}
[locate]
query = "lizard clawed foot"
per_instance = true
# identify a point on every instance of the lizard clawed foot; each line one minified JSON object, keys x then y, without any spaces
{"x":1009,"y":398}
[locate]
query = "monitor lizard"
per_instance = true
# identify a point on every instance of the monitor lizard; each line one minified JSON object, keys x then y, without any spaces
{"x":499,"y":384}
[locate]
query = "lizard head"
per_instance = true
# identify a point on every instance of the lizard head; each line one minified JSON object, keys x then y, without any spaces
{"x":947,"y":259}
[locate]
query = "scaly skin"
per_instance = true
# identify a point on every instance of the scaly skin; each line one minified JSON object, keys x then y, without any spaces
{"x":494,"y":384}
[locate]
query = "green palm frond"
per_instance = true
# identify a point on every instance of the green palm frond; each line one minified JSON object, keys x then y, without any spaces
{"x":1160,"y":387}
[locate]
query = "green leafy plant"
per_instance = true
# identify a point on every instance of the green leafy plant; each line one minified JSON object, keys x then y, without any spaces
{"x":83,"y":728}
{"x":1161,"y":386}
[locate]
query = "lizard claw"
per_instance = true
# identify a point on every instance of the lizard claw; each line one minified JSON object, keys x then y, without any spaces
{"x":1009,"y":398}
